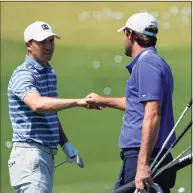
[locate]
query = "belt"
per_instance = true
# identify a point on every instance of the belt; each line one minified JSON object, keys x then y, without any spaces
{"x":135,"y":150}
{"x":36,"y":145}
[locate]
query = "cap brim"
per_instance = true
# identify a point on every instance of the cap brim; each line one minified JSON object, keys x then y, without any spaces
{"x":121,"y":29}
{"x":45,"y":36}
{"x":57,"y":36}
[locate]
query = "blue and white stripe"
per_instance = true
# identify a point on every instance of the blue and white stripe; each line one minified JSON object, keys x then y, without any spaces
{"x":29,"y":126}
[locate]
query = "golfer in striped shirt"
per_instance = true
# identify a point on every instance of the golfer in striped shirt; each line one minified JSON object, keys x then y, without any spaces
{"x":33,"y":107}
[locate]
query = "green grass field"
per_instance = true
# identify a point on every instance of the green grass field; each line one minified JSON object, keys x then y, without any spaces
{"x":95,"y":134}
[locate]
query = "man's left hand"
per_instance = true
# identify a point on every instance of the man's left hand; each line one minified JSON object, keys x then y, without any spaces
{"x":143,"y":177}
{"x":83,"y":103}
{"x":70,"y":151}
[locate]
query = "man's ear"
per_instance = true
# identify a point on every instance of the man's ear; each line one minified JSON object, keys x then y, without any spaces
{"x":28,"y":46}
{"x":129,"y":34}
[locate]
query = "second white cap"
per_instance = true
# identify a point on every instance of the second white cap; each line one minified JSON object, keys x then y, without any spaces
{"x":139,"y":22}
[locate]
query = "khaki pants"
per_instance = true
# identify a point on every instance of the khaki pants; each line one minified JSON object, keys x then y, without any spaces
{"x":31,"y":169}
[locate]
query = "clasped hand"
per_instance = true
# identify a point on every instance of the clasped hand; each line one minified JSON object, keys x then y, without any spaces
{"x":92,"y":101}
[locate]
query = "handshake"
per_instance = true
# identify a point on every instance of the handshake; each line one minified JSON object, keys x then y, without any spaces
{"x":92,"y":101}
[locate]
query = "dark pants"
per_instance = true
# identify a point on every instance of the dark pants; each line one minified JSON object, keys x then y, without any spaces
{"x":128,"y":171}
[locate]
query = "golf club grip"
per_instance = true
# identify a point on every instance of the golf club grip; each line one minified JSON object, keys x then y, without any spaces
{"x":182,"y":134}
{"x":180,"y":163}
{"x":176,"y":165}
{"x":127,"y":187}
{"x":190,"y":103}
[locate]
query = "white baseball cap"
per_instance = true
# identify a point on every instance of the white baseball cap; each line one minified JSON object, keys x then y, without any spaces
{"x":139,"y":21}
{"x":38,"y":31}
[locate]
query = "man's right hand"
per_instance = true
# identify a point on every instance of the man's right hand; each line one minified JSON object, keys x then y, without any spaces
{"x":95,"y":99}
{"x":102,"y":102}
{"x":83,"y":103}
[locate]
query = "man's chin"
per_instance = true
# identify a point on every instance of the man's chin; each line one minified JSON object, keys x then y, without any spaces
{"x":48,"y":58}
{"x":126,"y":53}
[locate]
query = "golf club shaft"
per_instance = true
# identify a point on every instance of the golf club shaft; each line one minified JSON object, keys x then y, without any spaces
{"x":172,"y":146}
{"x":182,"y":134}
{"x":78,"y":160}
{"x":171,"y":133}
{"x":182,"y":153}
{"x":60,"y":163}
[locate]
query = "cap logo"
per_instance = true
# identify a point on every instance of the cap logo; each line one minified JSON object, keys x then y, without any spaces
{"x":45,"y":27}
{"x":153,"y":23}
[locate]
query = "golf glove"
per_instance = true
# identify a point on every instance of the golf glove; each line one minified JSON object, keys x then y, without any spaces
{"x":70,"y":151}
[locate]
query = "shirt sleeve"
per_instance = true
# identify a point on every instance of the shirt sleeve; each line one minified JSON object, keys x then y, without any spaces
{"x":150,"y":82}
{"x":23,"y":83}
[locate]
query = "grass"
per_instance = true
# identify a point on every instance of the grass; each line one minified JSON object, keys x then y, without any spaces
{"x":95,"y":134}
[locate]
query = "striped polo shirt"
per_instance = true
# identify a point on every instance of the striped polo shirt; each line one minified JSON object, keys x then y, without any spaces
{"x":29,"y":126}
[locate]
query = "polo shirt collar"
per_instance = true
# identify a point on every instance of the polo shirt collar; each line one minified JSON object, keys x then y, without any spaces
{"x":132,"y":63}
{"x":36,"y":65}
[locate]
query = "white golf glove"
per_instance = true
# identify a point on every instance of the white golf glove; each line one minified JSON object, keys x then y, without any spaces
{"x":70,"y":152}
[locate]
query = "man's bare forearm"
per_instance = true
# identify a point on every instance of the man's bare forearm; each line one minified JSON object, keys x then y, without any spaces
{"x":150,"y":130}
{"x":43,"y":104}
{"x":48,"y":104}
{"x":116,"y":103}
{"x":149,"y":137}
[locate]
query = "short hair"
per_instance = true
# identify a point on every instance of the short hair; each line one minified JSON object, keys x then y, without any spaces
{"x":145,"y":40}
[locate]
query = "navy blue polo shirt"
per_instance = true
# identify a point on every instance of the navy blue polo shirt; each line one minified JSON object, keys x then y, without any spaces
{"x":151,"y":79}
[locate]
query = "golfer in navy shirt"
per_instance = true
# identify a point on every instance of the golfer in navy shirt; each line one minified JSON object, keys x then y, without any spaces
{"x":148,"y":117}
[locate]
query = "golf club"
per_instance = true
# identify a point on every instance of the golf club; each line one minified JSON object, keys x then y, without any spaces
{"x":172,"y":146}
{"x":60,"y":163}
{"x":171,"y":133}
{"x":182,"y":153}
{"x":176,"y":164}
{"x":79,"y":161}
